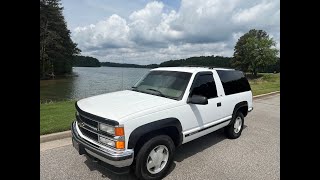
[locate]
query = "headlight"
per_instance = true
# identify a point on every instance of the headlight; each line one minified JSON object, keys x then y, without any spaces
{"x":117,"y":131}
{"x":107,"y":129}
{"x":106,"y":141}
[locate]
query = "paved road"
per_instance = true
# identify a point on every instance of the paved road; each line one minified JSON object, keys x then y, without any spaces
{"x":255,"y":155}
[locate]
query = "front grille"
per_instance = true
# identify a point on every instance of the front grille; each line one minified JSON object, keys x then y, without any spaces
{"x":88,"y":125}
{"x":89,"y":134}
{"x":88,"y":121}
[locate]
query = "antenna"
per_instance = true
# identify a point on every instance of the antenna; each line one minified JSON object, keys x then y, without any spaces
{"x":122,"y":74}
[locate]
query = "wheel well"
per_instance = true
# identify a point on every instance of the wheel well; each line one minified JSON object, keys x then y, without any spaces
{"x":171,"y":131}
{"x":242,"y":107}
{"x":243,"y":110}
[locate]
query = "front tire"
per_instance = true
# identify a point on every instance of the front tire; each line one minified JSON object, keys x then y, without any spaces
{"x":155,"y":158}
{"x":233,"y":130}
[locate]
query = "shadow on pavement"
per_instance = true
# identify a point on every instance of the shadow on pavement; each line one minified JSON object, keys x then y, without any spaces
{"x":105,"y":173}
{"x":193,"y":147}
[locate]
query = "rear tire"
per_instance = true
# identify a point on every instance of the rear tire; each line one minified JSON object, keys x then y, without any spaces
{"x":155,"y":158}
{"x":233,"y":130}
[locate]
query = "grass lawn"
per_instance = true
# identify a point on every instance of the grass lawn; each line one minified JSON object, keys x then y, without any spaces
{"x":57,"y":116}
{"x":265,"y":83}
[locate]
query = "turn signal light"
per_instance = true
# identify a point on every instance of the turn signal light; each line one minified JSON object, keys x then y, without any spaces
{"x":119,"y":131}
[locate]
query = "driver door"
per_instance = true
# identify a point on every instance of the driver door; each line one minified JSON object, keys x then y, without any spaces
{"x":204,"y":85}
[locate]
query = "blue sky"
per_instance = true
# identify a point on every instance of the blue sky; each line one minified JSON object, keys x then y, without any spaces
{"x":146,"y":31}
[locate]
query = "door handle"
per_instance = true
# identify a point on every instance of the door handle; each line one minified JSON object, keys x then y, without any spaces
{"x":218,"y":104}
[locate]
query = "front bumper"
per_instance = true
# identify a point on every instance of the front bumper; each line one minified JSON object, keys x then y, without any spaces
{"x":115,"y":158}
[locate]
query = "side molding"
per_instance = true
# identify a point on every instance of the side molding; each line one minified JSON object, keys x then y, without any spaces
{"x":154,"y":126}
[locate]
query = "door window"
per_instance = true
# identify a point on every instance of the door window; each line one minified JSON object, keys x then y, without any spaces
{"x":204,"y":85}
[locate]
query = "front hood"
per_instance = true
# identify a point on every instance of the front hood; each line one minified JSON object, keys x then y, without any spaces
{"x":120,"y":104}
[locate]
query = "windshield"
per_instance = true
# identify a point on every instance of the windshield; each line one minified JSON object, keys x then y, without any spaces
{"x":169,"y":84}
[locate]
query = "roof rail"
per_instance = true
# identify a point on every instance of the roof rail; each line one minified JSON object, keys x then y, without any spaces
{"x":193,"y":66}
{"x":209,"y":67}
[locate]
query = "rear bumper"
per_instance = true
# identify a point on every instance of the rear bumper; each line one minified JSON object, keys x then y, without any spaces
{"x":117,"y":159}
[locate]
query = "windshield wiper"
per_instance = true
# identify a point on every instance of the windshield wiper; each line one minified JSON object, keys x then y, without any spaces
{"x":159,"y":92}
{"x":134,"y":88}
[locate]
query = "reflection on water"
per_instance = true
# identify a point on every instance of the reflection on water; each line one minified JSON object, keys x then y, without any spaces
{"x":89,"y":82}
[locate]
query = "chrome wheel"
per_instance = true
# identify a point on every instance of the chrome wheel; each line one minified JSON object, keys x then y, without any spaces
{"x":237,"y":124}
{"x":157,"y":159}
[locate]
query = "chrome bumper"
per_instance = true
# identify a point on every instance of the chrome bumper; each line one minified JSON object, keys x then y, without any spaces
{"x":116,"y":158}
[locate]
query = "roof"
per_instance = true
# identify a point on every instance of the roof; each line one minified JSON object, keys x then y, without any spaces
{"x":188,"y":69}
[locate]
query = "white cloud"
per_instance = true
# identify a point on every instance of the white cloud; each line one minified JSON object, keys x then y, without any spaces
{"x":110,"y":33}
{"x":257,"y":13}
{"x":153,"y":34}
{"x":150,"y":14}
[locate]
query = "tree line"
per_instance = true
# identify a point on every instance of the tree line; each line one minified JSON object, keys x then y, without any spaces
{"x":208,"y":61}
{"x":86,"y":61}
{"x":205,"y":61}
{"x":57,"y":50}
{"x":113,"y":64}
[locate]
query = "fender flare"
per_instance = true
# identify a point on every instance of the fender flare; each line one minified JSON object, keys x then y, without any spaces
{"x":237,"y":107}
{"x":154,"y":126}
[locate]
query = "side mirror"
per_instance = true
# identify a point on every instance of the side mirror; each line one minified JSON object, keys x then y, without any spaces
{"x":197,"y":99}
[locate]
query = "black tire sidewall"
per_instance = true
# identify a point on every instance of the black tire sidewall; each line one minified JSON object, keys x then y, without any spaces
{"x":239,"y":114}
{"x":141,"y":169}
{"x":230,"y":129}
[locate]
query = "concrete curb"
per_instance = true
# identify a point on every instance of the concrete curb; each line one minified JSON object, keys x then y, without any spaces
{"x":55,"y":136}
{"x":66,"y":134}
{"x":265,"y":95}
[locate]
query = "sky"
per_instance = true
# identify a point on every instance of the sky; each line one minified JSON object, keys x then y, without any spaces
{"x":147,"y":31}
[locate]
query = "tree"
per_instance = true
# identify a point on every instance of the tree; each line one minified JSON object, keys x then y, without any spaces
{"x":56,"y":47}
{"x":254,"y":50}
{"x":209,"y":61}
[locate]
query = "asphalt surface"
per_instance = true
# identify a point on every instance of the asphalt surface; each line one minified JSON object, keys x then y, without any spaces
{"x":255,"y":155}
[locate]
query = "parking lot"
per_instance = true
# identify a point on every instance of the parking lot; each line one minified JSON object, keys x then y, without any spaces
{"x":255,"y":155}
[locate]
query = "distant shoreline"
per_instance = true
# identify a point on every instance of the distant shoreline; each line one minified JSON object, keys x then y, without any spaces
{"x":113,"y":64}
{"x":129,"y":67}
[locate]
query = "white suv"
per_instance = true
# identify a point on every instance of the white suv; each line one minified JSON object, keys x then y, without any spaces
{"x":141,"y":127}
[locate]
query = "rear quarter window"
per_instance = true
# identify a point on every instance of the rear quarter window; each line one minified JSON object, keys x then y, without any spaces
{"x":233,"y":81}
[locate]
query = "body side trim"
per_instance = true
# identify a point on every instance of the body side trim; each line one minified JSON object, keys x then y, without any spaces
{"x":223,"y":120}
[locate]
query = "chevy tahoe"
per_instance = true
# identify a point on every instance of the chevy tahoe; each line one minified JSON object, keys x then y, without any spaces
{"x":140,"y":128}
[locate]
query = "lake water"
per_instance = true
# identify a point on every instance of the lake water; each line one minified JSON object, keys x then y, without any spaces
{"x":90,"y":82}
